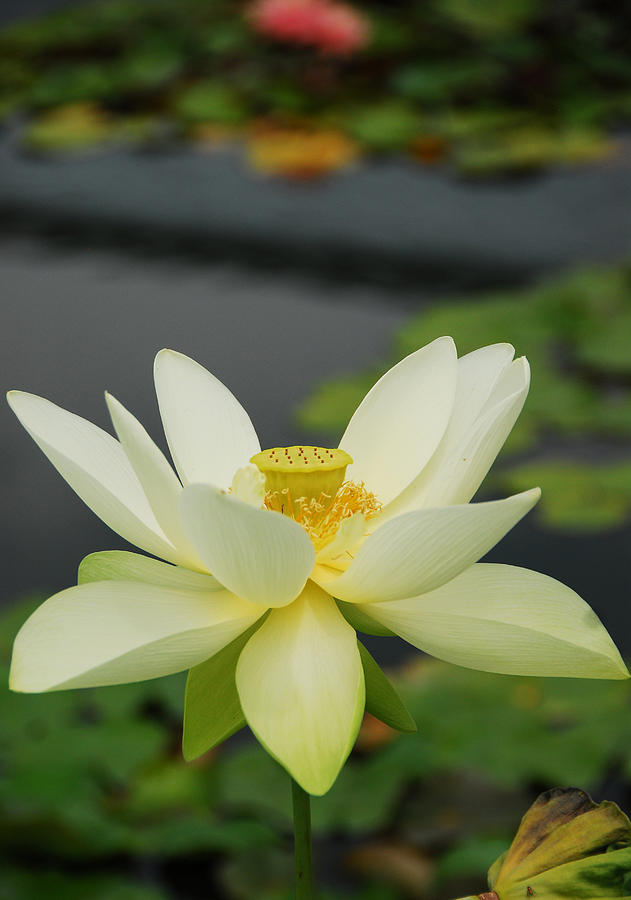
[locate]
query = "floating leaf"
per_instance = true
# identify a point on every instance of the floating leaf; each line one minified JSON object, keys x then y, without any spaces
{"x":73,"y":84}
{"x":75,"y":128}
{"x":299,"y":154}
{"x":531,"y":148}
{"x":435,"y":82}
{"x":210,"y":101}
{"x":383,"y":126}
{"x":578,"y":497}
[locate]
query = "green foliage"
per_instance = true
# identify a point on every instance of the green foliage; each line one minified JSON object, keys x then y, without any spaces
{"x":530,"y":148}
{"x":575,"y":331}
{"x":494,"y":85}
{"x":489,"y":17}
{"x":78,"y":127}
{"x":212,"y":711}
{"x":73,"y":84}
{"x":20,"y":884}
{"x":93,"y":780}
{"x":382,"y":700}
{"x":471,"y":857}
{"x":435,"y":82}
{"x":208,"y":101}
{"x":384,"y":126}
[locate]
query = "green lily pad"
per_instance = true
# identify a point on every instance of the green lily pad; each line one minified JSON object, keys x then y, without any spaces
{"x":383,"y":126}
{"x":75,"y":128}
{"x":209,"y":101}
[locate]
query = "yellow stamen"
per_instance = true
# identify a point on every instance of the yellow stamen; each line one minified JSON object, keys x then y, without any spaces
{"x":307,"y":484}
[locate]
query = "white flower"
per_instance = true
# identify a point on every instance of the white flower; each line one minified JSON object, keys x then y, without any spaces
{"x":248,"y":600}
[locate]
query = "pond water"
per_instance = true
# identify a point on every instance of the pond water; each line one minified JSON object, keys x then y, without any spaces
{"x":79,"y":321}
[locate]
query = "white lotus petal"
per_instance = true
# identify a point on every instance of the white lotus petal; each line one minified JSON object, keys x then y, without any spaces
{"x":260,"y":555}
{"x":110,"y":632}
{"x":96,"y":467}
{"x":512,"y":380}
{"x":494,"y":426}
{"x":301,"y":686}
{"x":508,"y":620}
{"x":478,"y":373}
{"x":209,"y":433}
{"x":161,"y":485}
{"x":419,"y":551}
{"x":401,"y":420}
{"x":339,"y":553}
{"x":248,"y":485}
{"x":120,"y":565}
{"x":454,"y":474}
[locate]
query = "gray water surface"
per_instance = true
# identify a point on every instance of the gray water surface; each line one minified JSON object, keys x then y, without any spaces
{"x":382,"y":221}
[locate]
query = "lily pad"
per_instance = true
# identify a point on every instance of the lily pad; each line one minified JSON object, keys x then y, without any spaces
{"x":74,"y":128}
{"x":209,"y":101}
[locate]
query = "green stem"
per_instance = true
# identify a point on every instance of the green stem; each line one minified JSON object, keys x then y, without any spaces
{"x":302,"y":842}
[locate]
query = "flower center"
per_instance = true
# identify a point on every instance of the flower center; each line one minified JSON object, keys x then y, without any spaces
{"x":307,"y":484}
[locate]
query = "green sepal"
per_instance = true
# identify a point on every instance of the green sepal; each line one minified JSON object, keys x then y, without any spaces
{"x":212,"y":710}
{"x":361,"y":621}
{"x":382,"y":701}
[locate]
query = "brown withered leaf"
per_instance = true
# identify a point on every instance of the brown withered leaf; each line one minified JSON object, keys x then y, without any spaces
{"x":566,"y":846}
{"x":561,"y":826}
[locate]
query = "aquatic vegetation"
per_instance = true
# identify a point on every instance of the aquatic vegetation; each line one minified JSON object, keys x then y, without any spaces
{"x":574,"y":435}
{"x":93,"y":781}
{"x":488,"y":87}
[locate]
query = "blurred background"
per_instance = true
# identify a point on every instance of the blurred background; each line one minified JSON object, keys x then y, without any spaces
{"x":297,"y":193}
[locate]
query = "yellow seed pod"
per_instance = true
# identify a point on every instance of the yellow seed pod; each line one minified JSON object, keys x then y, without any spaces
{"x":308,"y":472}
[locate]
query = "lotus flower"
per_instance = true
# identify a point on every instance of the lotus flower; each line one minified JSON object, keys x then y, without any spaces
{"x":273,"y":559}
{"x":333,"y":27}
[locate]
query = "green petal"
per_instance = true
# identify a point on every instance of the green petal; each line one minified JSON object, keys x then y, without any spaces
{"x":358,"y":617}
{"x":122,"y":565}
{"x":212,"y":710}
{"x":382,"y":700}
